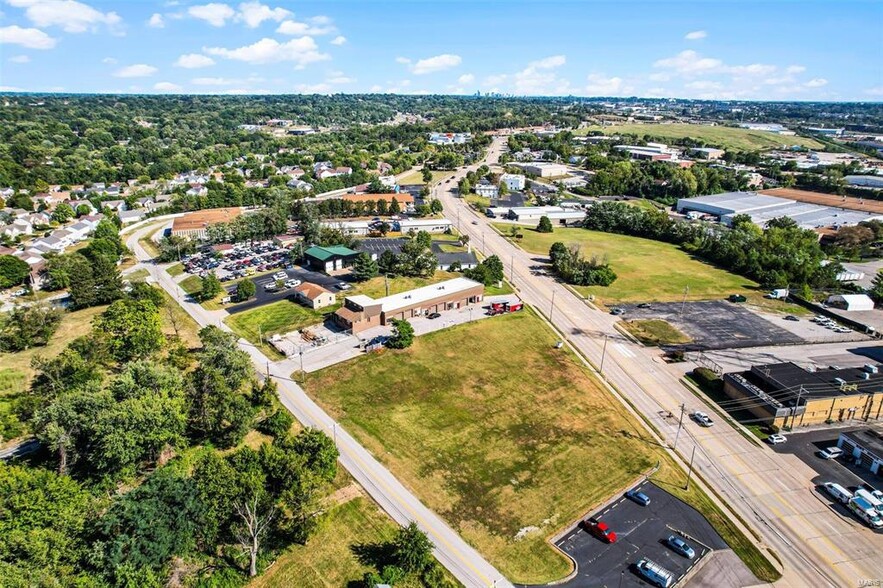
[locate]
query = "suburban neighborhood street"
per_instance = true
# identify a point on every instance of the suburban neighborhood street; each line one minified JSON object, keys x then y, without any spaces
{"x":464,"y":562}
{"x":767,"y":490}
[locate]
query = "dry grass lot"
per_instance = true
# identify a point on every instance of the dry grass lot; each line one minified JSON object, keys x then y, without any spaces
{"x":647,"y":270}
{"x":416,"y":177}
{"x":655,"y":332}
{"x":499,"y":433}
{"x":725,"y":137}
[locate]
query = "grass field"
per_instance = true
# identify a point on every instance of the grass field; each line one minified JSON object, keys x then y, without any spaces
{"x":283,"y":316}
{"x":191,"y":284}
{"x":655,"y":332}
{"x":376,"y":287}
{"x":416,"y":177}
{"x":647,"y":270}
{"x":725,"y":137}
{"x":478,"y":202}
{"x":495,"y":446}
{"x":175,"y":270}
{"x":137,"y":276}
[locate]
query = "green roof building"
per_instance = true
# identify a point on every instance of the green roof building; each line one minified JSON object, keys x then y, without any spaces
{"x":330,"y":259}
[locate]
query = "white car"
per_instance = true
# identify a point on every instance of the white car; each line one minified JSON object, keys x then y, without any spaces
{"x":280,"y":275}
{"x":776,"y":439}
{"x":830,"y":453}
{"x":292,"y":283}
{"x":703,"y":419}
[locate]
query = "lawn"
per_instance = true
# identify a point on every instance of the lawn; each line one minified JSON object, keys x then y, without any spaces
{"x":176,"y":321}
{"x":283,"y":316}
{"x":137,"y":276}
{"x":175,"y":270}
{"x":508,"y":452}
{"x":329,"y":559}
{"x":416,"y":177}
{"x":655,"y":332}
{"x":725,"y":137}
{"x":191,"y":284}
{"x":480,"y":203}
{"x":647,"y":270}
{"x":376,"y":287}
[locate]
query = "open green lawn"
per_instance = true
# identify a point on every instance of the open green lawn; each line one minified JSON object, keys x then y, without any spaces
{"x":175,"y":270}
{"x":416,"y":177}
{"x":283,"y":316}
{"x":478,"y":202}
{"x":329,"y":559}
{"x":647,"y":270}
{"x":376,"y":287}
{"x":191,"y":284}
{"x":495,"y":447}
{"x":655,"y":332}
{"x":137,"y":276}
{"x":724,"y":137}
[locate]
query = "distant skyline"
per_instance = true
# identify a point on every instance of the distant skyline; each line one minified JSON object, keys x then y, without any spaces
{"x":776,"y":50}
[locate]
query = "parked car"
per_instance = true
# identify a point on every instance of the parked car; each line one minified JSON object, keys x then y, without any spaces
{"x":638,"y":497}
{"x":680,"y":546}
{"x":830,"y":453}
{"x":776,"y":439}
{"x":617,"y":311}
{"x":433,"y":315}
{"x":342,"y":286}
{"x":702,"y":419}
{"x":292,"y":283}
{"x":644,"y":305}
{"x":791,"y":317}
{"x":736,"y":298}
{"x":600,"y":530}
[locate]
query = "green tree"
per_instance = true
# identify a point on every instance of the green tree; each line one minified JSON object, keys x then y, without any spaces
{"x":387,"y":263}
{"x":245,"y":289}
{"x":394,"y":206}
{"x":412,"y":549}
{"x":133,"y":327}
{"x":876,"y":289}
{"x":13,"y":271}
{"x":98,"y":283}
{"x":402,"y":334}
{"x":545,"y":225}
{"x":364,"y":268}
{"x":426,"y":174}
{"x":435,"y":206}
{"x":62,"y":213}
{"x":210,"y":288}
{"x":375,"y":187}
{"x":29,"y":326}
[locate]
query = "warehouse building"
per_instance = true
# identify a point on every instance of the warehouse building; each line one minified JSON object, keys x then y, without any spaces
{"x":763,"y":208}
{"x":851,"y":302}
{"x":330,"y":259}
{"x":556,"y":214}
{"x":430,"y":225}
{"x":866,"y":446}
{"x":544,"y":169}
{"x":363,"y":312}
{"x":349,"y":227}
{"x":786,"y":394}
{"x":865,"y":181}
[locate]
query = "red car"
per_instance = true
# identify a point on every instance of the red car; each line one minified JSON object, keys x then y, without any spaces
{"x":600,"y":530}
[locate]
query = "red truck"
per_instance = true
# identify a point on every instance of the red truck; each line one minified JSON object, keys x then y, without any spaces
{"x":504,"y":307}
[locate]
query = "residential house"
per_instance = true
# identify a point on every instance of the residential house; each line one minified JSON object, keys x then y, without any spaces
{"x":300,"y":185}
{"x":145,"y":202}
{"x":389,"y":181}
{"x":128,"y":217}
{"x":333,"y":173}
{"x":197,"y":190}
{"x":38,"y":219}
{"x":115,"y":205}
{"x":52,"y":243}
{"x":92,"y":220}
{"x":10,"y":231}
{"x":314,"y":295}
{"x":487,"y":190}
{"x":76,"y":204}
{"x":44,"y":201}
{"x":7,"y":192}
{"x":80,"y":230}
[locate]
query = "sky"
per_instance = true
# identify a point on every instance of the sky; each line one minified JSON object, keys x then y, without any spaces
{"x":707,"y":49}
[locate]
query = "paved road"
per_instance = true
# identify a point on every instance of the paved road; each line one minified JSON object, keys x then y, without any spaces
{"x":772,"y":492}
{"x":464,"y":562}
{"x":23,"y":448}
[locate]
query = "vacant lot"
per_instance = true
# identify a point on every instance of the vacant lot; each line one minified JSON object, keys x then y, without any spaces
{"x":277,"y":317}
{"x":376,"y":287}
{"x":655,"y":332}
{"x":647,"y":270}
{"x":725,"y":137}
{"x":494,"y":446}
{"x":416,"y":177}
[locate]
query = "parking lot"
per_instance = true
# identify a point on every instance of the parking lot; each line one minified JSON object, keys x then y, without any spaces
{"x":715,"y":324}
{"x":243,"y":259}
{"x":641,"y":532}
{"x":806,"y":446}
{"x":263,"y":296}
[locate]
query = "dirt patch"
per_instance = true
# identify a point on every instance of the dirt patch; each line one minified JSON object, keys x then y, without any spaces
{"x":345,"y":494}
{"x":833,"y":200}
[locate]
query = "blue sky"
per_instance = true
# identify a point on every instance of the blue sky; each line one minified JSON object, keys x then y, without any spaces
{"x":772,"y":50}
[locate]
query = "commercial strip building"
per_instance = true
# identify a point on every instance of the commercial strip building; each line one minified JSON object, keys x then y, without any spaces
{"x":430,"y":225}
{"x":544,"y":169}
{"x":193,"y":225}
{"x":763,"y":208}
{"x":866,"y":181}
{"x":533,"y":214}
{"x":363,"y":312}
{"x":513,"y":181}
{"x":866,"y":446}
{"x":786,"y":394}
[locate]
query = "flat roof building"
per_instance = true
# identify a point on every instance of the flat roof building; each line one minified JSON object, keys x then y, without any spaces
{"x":430,"y":225}
{"x":349,"y":227}
{"x":329,"y":259}
{"x":866,"y":181}
{"x":362,"y":312}
{"x":866,"y":446}
{"x":786,"y":394}
{"x":544,"y":169}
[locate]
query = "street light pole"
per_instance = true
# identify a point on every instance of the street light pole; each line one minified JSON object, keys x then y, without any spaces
{"x":552,"y":308}
{"x":603,"y":355}
{"x":512,"y":267}
{"x":690,"y":474}
{"x":680,"y":424}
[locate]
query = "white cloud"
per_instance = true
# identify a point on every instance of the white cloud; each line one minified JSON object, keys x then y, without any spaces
{"x":466,"y":79}
{"x":689,"y":63}
{"x":539,"y":77}
{"x":254,"y":13}
{"x":338,"y":40}
{"x":315,"y":26}
{"x":11,"y":89}
{"x":167,"y":87}
{"x":214,"y":82}
{"x":704,"y":85}
{"x":403,"y":60}
{"x":194,"y":61}
{"x":753,"y":69}
{"x":816,"y":83}
{"x":876,"y":91}
{"x":30,"y":38}
{"x":139,"y":70}
{"x":320,"y":88}
{"x":71,"y":16}
{"x":20,"y":59}
{"x":156,"y":21}
{"x":376,"y":88}
{"x":436,"y":63}
{"x":695,"y":35}
{"x":214,"y":13}
{"x":340,"y":79}
{"x":301,"y":51}
{"x":600,"y":85}
{"x":109,"y":60}
{"x":795,"y":69}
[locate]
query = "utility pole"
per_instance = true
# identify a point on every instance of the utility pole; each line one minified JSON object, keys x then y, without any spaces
{"x":603,"y":355}
{"x":512,"y":267}
{"x":796,"y":406}
{"x":680,"y":424}
{"x":684,"y":302}
{"x":690,"y":473}
{"x":303,"y":375}
{"x":552,"y":308}
{"x":386,"y":283}
{"x":483,"y":251}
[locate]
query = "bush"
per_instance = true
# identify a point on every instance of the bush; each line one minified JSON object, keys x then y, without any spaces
{"x":277,"y":425}
{"x":708,"y":380}
{"x":545,"y":225}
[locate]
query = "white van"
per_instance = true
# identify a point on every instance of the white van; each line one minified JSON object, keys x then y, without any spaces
{"x":654,"y":573}
{"x":838,"y":492}
{"x":870,"y":499}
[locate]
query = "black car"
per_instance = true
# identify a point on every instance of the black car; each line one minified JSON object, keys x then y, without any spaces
{"x":433,"y":315}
